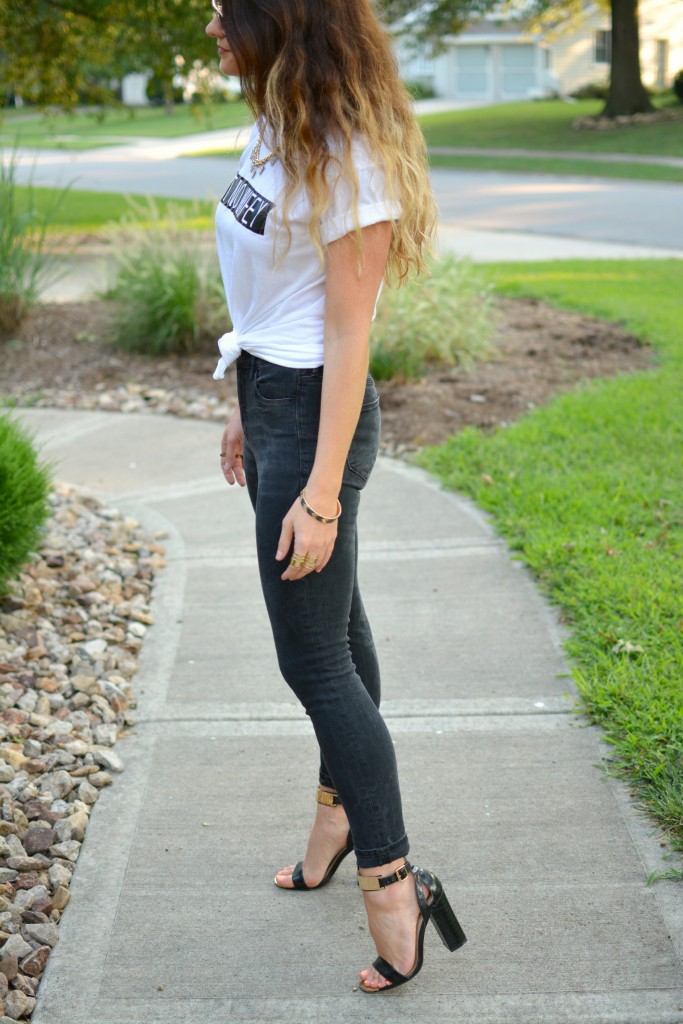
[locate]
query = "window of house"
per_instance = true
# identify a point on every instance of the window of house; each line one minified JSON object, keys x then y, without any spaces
{"x":603,"y":47}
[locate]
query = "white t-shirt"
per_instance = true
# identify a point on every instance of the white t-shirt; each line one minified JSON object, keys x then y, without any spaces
{"x":278,"y":310}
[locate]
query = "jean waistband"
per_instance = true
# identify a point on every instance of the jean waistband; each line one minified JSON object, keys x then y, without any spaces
{"x":249,"y":364}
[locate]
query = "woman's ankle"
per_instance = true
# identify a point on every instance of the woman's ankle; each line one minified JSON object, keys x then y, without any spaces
{"x":383,"y":870}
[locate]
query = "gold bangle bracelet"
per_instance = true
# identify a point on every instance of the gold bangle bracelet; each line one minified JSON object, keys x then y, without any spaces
{"x":316,"y":515}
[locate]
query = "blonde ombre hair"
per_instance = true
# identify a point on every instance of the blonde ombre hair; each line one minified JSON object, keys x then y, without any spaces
{"x":321,"y":72}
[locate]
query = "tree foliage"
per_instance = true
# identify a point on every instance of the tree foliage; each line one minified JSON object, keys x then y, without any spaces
{"x":55,"y":52}
{"x":58,"y":52}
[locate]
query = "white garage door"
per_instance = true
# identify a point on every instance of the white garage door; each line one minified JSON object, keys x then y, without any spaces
{"x":518,"y":76}
{"x":473,"y":72}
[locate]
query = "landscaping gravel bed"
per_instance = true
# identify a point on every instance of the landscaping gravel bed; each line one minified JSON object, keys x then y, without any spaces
{"x":70,"y":632}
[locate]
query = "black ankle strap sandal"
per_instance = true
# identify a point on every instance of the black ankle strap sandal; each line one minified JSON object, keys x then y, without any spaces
{"x":434,"y":907}
{"x":329,"y":799}
{"x":371,"y":883}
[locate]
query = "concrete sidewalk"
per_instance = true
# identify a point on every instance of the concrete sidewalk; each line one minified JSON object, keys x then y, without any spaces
{"x":174,"y":916}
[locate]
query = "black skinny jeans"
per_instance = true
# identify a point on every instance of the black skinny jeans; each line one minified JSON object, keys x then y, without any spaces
{"x":322,"y":635}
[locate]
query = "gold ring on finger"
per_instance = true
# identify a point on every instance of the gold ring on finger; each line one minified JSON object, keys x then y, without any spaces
{"x":238,"y":455}
{"x":297,"y":560}
{"x":310,"y":563}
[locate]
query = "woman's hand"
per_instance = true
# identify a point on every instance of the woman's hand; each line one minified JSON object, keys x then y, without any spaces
{"x":304,"y":535}
{"x":232,"y":448}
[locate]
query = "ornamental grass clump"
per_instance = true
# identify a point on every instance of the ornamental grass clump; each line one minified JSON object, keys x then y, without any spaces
{"x":24,"y":486}
{"x":26,"y":264}
{"x":440,"y":321}
{"x":167,"y":289}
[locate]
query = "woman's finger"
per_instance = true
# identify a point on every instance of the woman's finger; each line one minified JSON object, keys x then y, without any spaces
{"x":312,"y":558}
{"x":286,"y":537}
{"x":238,"y":469}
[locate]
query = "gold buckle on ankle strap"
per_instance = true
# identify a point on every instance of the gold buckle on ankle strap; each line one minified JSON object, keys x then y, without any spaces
{"x":370,"y":883}
{"x":329,"y":799}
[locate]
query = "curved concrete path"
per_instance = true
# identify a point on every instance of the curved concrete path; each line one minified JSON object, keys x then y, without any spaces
{"x":174,"y":917}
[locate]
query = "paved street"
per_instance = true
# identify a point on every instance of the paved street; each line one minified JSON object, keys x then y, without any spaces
{"x":642,"y":214}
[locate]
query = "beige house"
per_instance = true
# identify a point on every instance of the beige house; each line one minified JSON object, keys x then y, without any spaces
{"x":503,"y":60}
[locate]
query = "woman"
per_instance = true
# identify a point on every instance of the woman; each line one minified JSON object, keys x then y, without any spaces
{"x":331,"y":196}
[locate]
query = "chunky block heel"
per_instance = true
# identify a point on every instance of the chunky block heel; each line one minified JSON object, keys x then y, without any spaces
{"x":434,"y":907}
{"x":446,"y":923}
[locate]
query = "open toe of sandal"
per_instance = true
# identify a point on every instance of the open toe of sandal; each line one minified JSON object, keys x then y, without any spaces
{"x":298,"y":880}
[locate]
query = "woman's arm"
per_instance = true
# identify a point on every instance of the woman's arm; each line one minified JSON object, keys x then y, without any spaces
{"x":349,"y":303}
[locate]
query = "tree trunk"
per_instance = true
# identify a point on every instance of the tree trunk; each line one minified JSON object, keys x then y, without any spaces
{"x":167,"y":92}
{"x":627,"y":94}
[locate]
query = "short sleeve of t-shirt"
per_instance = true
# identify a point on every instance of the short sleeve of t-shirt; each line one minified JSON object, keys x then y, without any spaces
{"x":373,"y":204}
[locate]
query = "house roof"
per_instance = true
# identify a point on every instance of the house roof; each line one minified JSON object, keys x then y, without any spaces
{"x":489,"y":27}
{"x":492,"y":31}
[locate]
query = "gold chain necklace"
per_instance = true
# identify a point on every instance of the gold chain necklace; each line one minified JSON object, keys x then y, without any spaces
{"x":259,"y":162}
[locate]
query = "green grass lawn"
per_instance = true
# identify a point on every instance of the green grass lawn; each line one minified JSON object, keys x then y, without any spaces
{"x":81,"y":211}
{"x":547,"y":124}
{"x":83,"y":131}
{"x":529,"y":165}
{"x":565,"y":167}
{"x":589,"y":492}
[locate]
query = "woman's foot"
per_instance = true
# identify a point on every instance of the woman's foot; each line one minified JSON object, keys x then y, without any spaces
{"x":329,"y":836}
{"x":393,"y":918}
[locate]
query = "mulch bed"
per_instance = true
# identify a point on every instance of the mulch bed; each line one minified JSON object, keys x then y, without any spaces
{"x":59,"y":357}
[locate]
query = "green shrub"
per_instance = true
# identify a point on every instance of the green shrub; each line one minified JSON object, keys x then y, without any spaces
{"x":25,"y":264}
{"x":23,"y":499}
{"x":167,"y":286}
{"x":678,"y":85}
{"x":420,"y":90}
{"x":443,"y":320}
{"x":592,"y":91}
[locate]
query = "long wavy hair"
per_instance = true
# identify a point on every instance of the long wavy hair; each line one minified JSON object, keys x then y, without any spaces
{"x":320,"y":72}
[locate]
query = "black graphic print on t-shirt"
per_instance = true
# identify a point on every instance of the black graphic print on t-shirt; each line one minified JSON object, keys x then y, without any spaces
{"x":249,"y":207}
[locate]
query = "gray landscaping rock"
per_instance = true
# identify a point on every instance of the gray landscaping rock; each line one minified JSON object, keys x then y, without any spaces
{"x":108,"y":759}
{"x":58,"y":875}
{"x":27,"y":863}
{"x":63,"y":830}
{"x":78,"y":822}
{"x":94,"y":649}
{"x":38,"y":839}
{"x":18,"y":1004}
{"x":15,"y":846}
{"x":9,"y":966}
{"x":17,"y":946}
{"x":58,"y":784}
{"x":100,"y":779}
{"x":25,"y":985}
{"x":69,"y":850}
{"x":105,"y":734}
{"x":77,"y":747}
{"x":87,"y":793}
{"x":45,"y":934}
